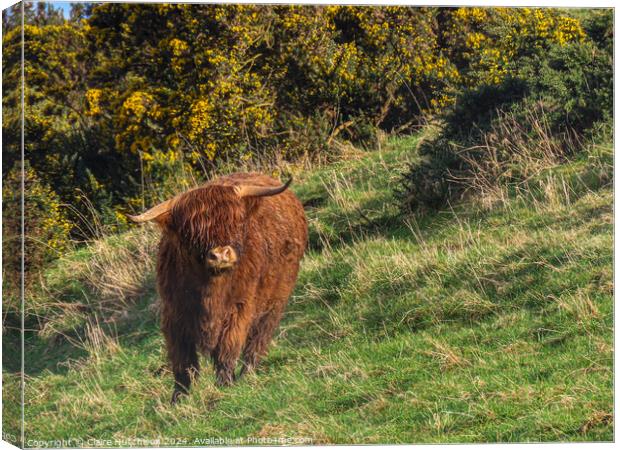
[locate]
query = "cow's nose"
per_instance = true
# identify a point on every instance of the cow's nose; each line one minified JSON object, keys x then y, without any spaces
{"x":221,"y":257}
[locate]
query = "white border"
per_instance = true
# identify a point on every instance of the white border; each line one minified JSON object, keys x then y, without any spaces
{"x":514,"y":3}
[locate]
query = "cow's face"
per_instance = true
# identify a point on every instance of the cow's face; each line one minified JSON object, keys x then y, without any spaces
{"x":209,"y":221}
{"x":210,"y":224}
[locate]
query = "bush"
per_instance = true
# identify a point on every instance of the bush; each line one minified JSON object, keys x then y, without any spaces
{"x":484,"y":43}
{"x":576,"y":80}
{"x":46,"y":233}
{"x":217,"y":85}
{"x":494,"y":130}
{"x":599,"y":25}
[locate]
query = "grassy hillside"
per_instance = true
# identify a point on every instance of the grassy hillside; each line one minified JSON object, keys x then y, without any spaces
{"x":489,"y":322}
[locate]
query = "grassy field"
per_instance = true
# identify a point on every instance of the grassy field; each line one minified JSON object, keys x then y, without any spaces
{"x":488,"y":322}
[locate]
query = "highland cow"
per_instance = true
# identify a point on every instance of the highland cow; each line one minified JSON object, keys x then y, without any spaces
{"x":227,"y":264}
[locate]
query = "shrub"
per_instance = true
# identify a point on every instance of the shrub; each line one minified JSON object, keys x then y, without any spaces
{"x":576,"y":80}
{"x":46,"y":232}
{"x":494,"y":131}
{"x":599,"y":26}
{"x":484,"y":43}
{"x":220,"y":85}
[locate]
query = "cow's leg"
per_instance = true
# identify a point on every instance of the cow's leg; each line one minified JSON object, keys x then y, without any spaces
{"x":259,"y":340}
{"x":183,"y":358}
{"x":231,"y":342}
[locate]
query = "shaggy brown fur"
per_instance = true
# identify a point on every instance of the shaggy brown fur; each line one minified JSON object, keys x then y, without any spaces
{"x":226,"y":268}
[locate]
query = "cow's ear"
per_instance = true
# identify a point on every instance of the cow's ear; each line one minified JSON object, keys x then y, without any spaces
{"x":159,"y":214}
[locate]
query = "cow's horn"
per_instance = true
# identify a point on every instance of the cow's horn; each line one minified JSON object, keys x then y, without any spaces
{"x":152,"y":213}
{"x":261,"y":191}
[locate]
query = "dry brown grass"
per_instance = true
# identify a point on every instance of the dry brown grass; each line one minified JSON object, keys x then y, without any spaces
{"x":447,"y":356}
{"x":513,"y":153}
{"x":579,"y":305}
{"x":106,"y":279}
{"x":99,"y":344}
{"x":118,"y":273}
{"x":597,"y":418}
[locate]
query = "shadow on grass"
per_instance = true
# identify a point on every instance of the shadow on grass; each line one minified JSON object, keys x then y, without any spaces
{"x":522,"y":275}
{"x":55,"y":354}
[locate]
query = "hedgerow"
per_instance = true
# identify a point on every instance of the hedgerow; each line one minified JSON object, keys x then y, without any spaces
{"x":126,"y":103}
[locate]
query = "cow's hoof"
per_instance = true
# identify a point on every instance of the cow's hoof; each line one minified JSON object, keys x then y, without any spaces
{"x":224,"y":379}
{"x":245,"y":370}
{"x":223,"y":382}
{"x":160,"y":370}
{"x":176,"y":395}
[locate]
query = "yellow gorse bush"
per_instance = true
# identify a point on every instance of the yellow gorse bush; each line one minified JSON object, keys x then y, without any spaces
{"x":139,"y":88}
{"x":235,"y":71}
{"x":47,"y":228}
{"x":489,"y":39}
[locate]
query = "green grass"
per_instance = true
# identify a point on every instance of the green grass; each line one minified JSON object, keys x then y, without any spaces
{"x":479,"y":324}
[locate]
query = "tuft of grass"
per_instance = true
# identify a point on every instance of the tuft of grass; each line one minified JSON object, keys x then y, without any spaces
{"x":483,"y":323}
{"x":102,"y":280}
